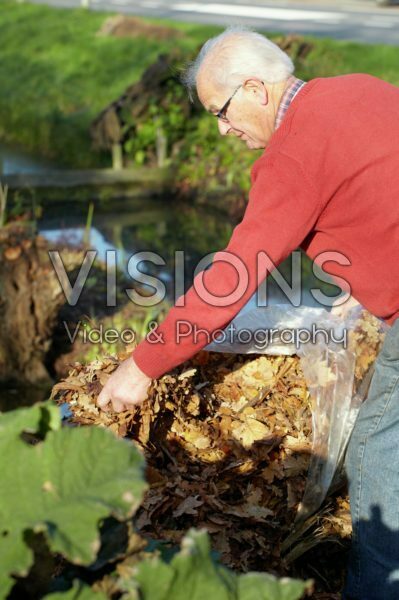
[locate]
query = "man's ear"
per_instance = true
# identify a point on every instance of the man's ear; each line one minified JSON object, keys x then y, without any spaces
{"x":257,"y":87}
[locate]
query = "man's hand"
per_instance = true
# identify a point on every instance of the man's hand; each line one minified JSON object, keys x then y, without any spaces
{"x":343,"y":309}
{"x":127,"y":386}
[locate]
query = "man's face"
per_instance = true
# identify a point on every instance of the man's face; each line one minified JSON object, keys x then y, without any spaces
{"x":246,"y":116}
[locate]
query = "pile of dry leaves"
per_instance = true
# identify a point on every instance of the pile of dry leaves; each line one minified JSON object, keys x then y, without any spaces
{"x":227,"y":438}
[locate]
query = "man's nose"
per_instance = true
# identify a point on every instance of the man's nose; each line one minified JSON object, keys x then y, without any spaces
{"x":223,"y":126}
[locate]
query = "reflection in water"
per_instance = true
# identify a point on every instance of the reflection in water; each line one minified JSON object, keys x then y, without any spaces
{"x":165,"y":230}
{"x":75,"y":236}
{"x":14,"y":161}
{"x":134,"y":226}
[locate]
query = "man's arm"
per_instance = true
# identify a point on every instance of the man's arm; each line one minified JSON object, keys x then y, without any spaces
{"x":283,"y":207}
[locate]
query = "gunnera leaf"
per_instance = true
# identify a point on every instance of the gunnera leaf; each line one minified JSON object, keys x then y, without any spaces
{"x":79,"y":591}
{"x":262,"y":586}
{"x":192,"y":573}
{"x":62,"y":485}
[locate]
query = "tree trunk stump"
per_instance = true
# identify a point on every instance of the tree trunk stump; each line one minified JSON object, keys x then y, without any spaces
{"x":30,"y":299}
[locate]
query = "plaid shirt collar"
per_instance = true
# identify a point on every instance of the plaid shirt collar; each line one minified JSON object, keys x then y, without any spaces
{"x":288,"y":96}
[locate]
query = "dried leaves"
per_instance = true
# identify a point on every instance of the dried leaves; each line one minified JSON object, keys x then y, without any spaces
{"x":365,"y":341}
{"x":227,"y":439}
{"x":227,"y":442}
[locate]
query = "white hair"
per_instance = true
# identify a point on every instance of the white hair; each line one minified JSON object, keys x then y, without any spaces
{"x":238,"y":54}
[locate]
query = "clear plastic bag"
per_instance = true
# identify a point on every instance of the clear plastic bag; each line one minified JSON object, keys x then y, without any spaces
{"x":328,"y":362}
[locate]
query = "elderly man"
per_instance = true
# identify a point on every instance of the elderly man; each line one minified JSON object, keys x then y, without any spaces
{"x":328,"y":181}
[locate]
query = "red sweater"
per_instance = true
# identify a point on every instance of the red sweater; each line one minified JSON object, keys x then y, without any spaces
{"x":327,"y":181}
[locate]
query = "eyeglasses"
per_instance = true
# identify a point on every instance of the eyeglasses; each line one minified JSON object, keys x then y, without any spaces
{"x":221,"y":114}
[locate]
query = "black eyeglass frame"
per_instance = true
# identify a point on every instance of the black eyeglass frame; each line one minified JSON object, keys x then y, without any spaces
{"x":221,"y":114}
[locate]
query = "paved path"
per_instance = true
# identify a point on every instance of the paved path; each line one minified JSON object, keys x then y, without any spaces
{"x":360,"y":20}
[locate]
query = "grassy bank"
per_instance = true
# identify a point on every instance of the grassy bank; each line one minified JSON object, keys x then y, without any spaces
{"x":57,"y":75}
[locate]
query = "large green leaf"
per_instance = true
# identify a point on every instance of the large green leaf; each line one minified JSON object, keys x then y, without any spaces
{"x":62,"y":486}
{"x":261,"y":586}
{"x":38,"y":419}
{"x":15,"y":556}
{"x":193,"y":574}
{"x":79,"y":591}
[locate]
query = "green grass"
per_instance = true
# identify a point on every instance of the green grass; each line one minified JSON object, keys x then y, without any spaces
{"x":56,"y":74}
{"x":331,"y":57}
